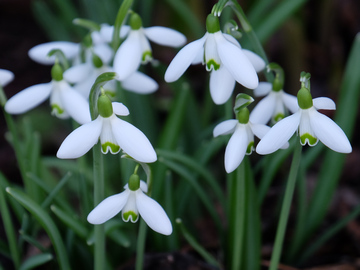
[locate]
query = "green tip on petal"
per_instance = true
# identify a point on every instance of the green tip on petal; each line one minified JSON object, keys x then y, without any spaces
{"x":113,"y":147}
{"x":278,"y":117}
{"x":213,"y":64}
{"x":146,"y":56}
{"x":250,"y":148}
{"x":304,"y":98}
{"x":130,"y":215}
{"x":134,"y":182}
{"x":57,"y":72}
{"x":311,"y":140}
{"x":104,"y":106}
{"x":135,"y":21}
{"x":243,"y":115}
{"x":212,"y":24}
{"x":56,"y":110}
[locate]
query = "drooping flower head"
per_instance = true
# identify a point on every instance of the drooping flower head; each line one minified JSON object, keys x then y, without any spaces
{"x":114,"y":134}
{"x":132,"y":202}
{"x":6,"y":77}
{"x":311,"y":125}
{"x":136,"y":48}
{"x":223,"y":56}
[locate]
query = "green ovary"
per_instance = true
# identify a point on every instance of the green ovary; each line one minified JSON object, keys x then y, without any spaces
{"x":212,"y":63}
{"x":130,"y":215}
{"x":308,"y":138}
{"x":114,"y":148}
{"x":146,"y":56}
{"x":56,"y":109}
{"x":250,"y":148}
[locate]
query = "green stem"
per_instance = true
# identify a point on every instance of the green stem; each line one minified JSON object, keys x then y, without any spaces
{"x":99,"y":231}
{"x":140,"y":249}
{"x":119,"y":21}
{"x":285,"y":210}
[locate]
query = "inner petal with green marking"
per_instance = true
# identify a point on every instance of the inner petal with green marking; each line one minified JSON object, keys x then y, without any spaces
{"x":109,"y":146}
{"x":130,"y":215}
{"x":212,"y":64}
{"x":146,"y":56}
{"x":250,"y":148}
{"x":309,"y":139}
{"x":278,"y":117}
{"x":57,"y":110}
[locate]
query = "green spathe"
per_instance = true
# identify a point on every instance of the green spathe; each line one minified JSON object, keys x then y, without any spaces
{"x":104,"y":106}
{"x":134,"y":182}
{"x":212,"y":24}
{"x":57,"y":72}
{"x":135,"y":21}
{"x":304,"y":98}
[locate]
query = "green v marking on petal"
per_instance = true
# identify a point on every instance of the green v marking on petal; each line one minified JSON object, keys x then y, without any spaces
{"x":146,"y":56}
{"x":57,"y":110}
{"x":212,"y":63}
{"x":130,"y":215}
{"x":114,"y":149}
{"x":306,"y":137}
{"x":278,"y":117}
{"x":250,"y":148}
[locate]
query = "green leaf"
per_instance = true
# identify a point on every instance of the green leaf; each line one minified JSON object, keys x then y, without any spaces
{"x":35,"y":261}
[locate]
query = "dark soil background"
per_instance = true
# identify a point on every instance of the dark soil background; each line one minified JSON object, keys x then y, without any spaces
{"x":317,"y":39}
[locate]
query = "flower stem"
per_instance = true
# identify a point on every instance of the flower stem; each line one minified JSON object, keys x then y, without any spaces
{"x":140,"y":249}
{"x":285,"y":209}
{"x":99,"y":258}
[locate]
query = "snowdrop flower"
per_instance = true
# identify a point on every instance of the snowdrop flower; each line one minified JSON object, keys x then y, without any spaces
{"x":223,"y":56}
{"x":64,"y":100}
{"x":6,"y":77}
{"x":274,"y":105}
{"x":85,"y":74}
{"x":241,"y":142}
{"x":136,"y":48}
{"x":115,"y":134}
{"x":312,"y":126}
{"x":132,"y":202}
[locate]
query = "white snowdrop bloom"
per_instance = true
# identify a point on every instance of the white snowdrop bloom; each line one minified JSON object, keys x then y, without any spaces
{"x":241,"y":142}
{"x":6,"y":77}
{"x":132,"y":202}
{"x":223,"y":56}
{"x":311,"y":125}
{"x":136,"y":48}
{"x":40,"y":52}
{"x":64,"y":100}
{"x":115,"y":134}
{"x":274,"y":106}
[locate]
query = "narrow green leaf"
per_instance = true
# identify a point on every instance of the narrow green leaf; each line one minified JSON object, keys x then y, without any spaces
{"x":46,"y":222}
{"x":55,"y":191}
{"x":35,"y":261}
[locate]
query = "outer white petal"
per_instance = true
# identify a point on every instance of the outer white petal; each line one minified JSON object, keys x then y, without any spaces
{"x":236,"y":62}
{"x":153,"y":214}
{"x":128,"y":57}
{"x":140,"y":83}
{"x":232,"y":40}
{"x":28,"y":98}
{"x":106,"y":32}
{"x":165,"y":36}
{"x":236,"y":148}
{"x":133,"y":141}
{"x":225,"y":127}
{"x":260,"y":131}
{"x":124,"y":31}
{"x":263,"y":89}
{"x":75,"y":105}
{"x":104,"y":52}
{"x":290,"y":102}
{"x":324,"y":103}
{"x":264,"y":110}
{"x":108,"y":208}
{"x":77,"y":73}
{"x":81,"y":140}
{"x":256,"y":60}
{"x":183,"y":59}
{"x":279,"y":134}
{"x":222,"y":85}
{"x":120,"y":109}
{"x":39,"y":53}
{"x":329,"y":133}
{"x":6,"y":77}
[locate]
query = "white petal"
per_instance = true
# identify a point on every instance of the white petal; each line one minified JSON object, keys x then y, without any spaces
{"x":199,"y":58}
{"x":81,"y":140}
{"x":106,"y":32}
{"x":130,"y":210}
{"x":108,"y":208}
{"x":28,"y":98}
{"x":143,"y":186}
{"x":124,"y":31}
{"x":225,"y":127}
{"x":236,"y":148}
{"x":140,"y":83}
{"x":236,"y":62}
{"x":290,"y":102}
{"x":257,"y":62}
{"x":232,"y":40}
{"x":75,"y":105}
{"x":264,"y":110}
{"x":133,"y":141}
{"x":329,"y":133}
{"x":120,"y":109}
{"x":279,"y":134}
{"x":39,"y":53}
{"x":153,"y":214}
{"x":183,"y":59}
{"x":6,"y":77}
{"x":165,"y":36}
{"x":77,"y":73}
{"x":104,"y":52}
{"x":263,"y":89}
{"x":259,"y":130}
{"x":128,"y":57}
{"x":324,"y":103}
{"x":222,"y":85}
